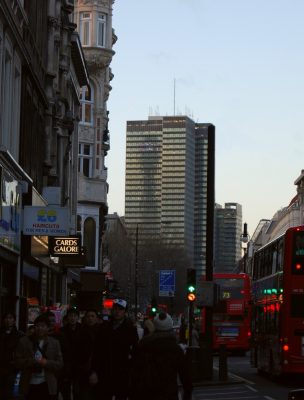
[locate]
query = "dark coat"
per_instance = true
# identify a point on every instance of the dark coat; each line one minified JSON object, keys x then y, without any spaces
{"x":112,"y":355}
{"x":86,"y":347}
{"x":8,"y":344}
{"x":25,"y":361}
{"x":71,"y":344}
{"x":158,"y":361}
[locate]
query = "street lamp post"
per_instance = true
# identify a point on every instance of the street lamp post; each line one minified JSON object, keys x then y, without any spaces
{"x":245,"y":239}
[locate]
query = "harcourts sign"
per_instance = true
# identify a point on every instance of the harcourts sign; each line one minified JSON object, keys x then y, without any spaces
{"x":46,"y":221}
{"x":63,"y":246}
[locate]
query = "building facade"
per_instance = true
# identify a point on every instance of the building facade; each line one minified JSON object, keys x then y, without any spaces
{"x":165,"y":193}
{"x":227,"y":237}
{"x":94,"y":24}
{"x":41,"y":72}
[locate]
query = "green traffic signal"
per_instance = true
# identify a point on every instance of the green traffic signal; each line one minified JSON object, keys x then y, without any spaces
{"x":191,"y":289}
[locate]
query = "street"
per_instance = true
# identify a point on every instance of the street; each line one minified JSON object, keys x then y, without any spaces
{"x":253,"y":387}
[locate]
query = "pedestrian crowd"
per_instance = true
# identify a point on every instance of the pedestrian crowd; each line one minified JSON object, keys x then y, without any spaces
{"x":93,"y":360}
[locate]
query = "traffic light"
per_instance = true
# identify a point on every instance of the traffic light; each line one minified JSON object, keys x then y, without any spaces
{"x":191,"y":284}
{"x":153,"y":307}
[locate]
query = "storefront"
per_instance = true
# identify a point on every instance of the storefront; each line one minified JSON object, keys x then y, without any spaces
{"x":13,"y":184}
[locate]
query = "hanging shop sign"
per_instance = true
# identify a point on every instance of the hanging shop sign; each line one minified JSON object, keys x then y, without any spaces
{"x":65,"y":246}
{"x":46,"y":221}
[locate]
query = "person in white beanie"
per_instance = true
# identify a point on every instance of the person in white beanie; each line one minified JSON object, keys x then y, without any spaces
{"x":158,"y":361}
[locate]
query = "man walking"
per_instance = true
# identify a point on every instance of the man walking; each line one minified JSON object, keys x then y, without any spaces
{"x":112,"y":356}
{"x":39,"y":358}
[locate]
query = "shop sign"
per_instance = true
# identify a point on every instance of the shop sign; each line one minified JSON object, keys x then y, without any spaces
{"x":10,"y":210}
{"x":64,"y":246}
{"x":46,"y":221}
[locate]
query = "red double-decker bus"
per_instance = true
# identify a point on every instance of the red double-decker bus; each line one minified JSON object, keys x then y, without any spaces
{"x":278,"y":305}
{"x":232,"y":313}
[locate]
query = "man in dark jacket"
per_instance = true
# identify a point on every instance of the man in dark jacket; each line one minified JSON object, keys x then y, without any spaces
{"x":88,"y":334}
{"x":9,"y":337}
{"x":111,"y":359}
{"x":158,"y":361}
{"x":71,"y":333}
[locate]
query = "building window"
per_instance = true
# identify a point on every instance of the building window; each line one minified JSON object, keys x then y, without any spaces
{"x":87,"y":102}
{"x":89,"y":240}
{"x":7,"y":93}
{"x":14,"y":137}
{"x":101,"y":30}
{"x":85,"y":28}
{"x":85,"y":159}
{"x":79,"y":221}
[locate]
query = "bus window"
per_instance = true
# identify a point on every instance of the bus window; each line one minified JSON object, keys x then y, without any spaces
{"x":280,"y":255}
{"x":274,"y":261}
{"x":298,"y":254}
{"x":297,"y":305}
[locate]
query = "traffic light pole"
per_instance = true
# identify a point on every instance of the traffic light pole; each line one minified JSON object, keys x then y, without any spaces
{"x":190,"y":322}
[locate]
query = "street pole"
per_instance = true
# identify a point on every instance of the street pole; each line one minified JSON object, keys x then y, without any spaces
{"x":136,"y":273}
{"x":207,"y":340}
{"x":190,"y":322}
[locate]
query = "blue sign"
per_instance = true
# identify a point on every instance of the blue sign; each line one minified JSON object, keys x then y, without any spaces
{"x":167,"y":282}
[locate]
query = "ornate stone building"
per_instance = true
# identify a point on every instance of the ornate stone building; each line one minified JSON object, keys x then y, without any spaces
{"x":42,"y":69}
{"x":94,"y":24}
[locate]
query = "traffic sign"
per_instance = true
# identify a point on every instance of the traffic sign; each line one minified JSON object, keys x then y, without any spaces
{"x":205,"y":294}
{"x":167,"y":282}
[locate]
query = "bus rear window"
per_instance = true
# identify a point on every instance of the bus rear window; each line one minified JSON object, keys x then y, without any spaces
{"x":297,"y":305}
{"x":230,"y":288}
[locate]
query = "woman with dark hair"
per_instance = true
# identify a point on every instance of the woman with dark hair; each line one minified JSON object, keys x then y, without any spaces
{"x":9,"y":337}
{"x":39,"y":359}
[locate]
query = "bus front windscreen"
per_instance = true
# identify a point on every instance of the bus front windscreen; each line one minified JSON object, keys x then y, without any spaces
{"x":298,"y":253}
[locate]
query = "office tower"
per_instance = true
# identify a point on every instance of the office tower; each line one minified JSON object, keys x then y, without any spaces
{"x":227,"y":233}
{"x":165,"y":193}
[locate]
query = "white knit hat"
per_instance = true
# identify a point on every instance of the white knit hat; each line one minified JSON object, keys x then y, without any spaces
{"x":163,"y":322}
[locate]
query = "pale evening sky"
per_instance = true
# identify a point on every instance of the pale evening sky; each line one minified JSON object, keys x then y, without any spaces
{"x":238,"y":64}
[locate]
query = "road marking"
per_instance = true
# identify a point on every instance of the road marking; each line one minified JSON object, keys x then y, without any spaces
{"x":237,"y":376}
{"x":269,"y":398}
{"x":251,"y":388}
{"x":241,"y":378}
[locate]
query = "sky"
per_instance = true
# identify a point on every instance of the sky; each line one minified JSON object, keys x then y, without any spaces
{"x":238,"y":64}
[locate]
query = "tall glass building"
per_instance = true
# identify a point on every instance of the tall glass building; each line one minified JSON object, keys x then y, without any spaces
{"x":227,"y":237}
{"x":166,"y":182}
